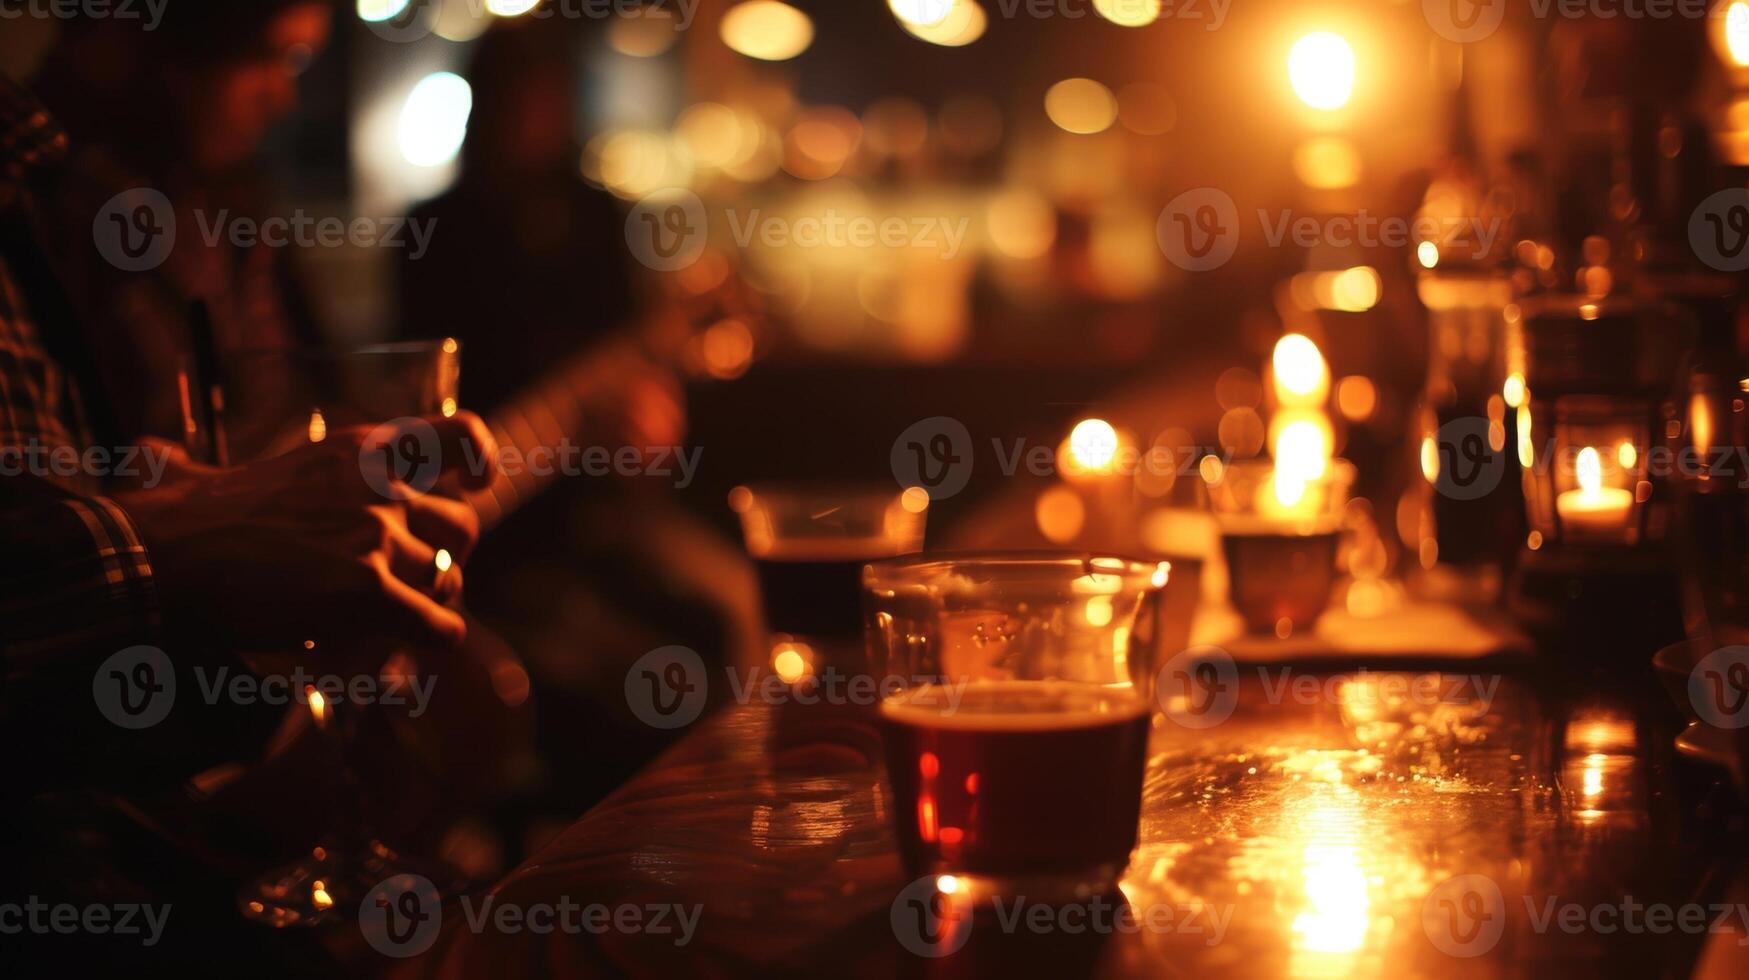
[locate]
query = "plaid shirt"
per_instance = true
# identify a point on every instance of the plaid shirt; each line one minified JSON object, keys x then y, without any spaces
{"x":75,"y":580}
{"x":75,"y":575}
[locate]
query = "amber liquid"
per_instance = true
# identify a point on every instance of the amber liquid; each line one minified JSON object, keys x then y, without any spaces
{"x":1278,"y":577}
{"x":1024,"y":778}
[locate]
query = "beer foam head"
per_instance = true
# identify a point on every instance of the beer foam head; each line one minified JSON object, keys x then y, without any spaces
{"x":1014,"y":705}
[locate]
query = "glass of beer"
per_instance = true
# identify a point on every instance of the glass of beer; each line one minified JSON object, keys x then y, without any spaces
{"x":809,"y":543}
{"x":1018,"y":691}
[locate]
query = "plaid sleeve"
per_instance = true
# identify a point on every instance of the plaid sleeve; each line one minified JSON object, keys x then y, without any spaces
{"x":75,"y":580}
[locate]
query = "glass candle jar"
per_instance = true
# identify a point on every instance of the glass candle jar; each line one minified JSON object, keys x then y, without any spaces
{"x":1596,"y":372}
{"x":1279,"y":535}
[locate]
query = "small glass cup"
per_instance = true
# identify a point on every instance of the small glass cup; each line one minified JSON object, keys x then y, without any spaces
{"x":809,"y":543}
{"x":1280,"y":536}
{"x":1017,"y":693}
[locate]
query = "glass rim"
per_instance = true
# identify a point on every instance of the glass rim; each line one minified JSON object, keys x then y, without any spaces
{"x":1103,"y":563}
{"x":747,"y":498}
{"x":445,"y":345}
{"x":861,"y":488}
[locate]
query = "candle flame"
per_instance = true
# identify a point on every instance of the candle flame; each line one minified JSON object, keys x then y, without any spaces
{"x":1300,"y":373}
{"x":1700,"y":423}
{"x":1588,"y":470}
{"x":1302,"y":449}
{"x":318,"y":705}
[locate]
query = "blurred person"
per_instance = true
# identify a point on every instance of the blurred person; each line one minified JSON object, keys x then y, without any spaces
{"x":294,"y":553}
{"x":182,"y":110}
{"x":179,"y":110}
{"x":567,"y":351}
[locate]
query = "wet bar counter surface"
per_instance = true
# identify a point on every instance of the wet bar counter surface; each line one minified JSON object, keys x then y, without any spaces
{"x":1332,"y":827}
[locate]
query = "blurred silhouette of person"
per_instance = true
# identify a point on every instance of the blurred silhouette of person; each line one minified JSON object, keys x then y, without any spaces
{"x":529,"y":267}
{"x":529,"y":264}
{"x":179,"y":110}
{"x":182,"y":110}
{"x":121,"y":582}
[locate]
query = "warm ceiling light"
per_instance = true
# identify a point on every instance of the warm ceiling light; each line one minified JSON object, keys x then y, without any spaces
{"x":510,"y":8}
{"x":767,"y":29}
{"x":1129,"y":13}
{"x":1321,"y":68}
{"x":376,"y":11}
{"x":921,"y":12}
{"x":1081,"y":105}
{"x":964,"y":23}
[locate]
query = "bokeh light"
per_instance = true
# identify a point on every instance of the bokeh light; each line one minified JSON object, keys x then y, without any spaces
{"x":1321,"y":68}
{"x":1093,"y":444}
{"x":963,"y":24}
{"x":1128,"y":13}
{"x":376,"y":11}
{"x":922,"y":13}
{"x":434,"y":119}
{"x":1081,"y":105}
{"x":644,"y":35}
{"x":1736,"y":33}
{"x":768,"y":30}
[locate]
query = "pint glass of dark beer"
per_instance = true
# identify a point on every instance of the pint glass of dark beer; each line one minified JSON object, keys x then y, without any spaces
{"x":1018,"y":691}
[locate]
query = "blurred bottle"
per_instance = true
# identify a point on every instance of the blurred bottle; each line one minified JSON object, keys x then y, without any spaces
{"x":1470,"y":525}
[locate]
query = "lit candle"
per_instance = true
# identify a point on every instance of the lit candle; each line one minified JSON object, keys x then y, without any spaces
{"x":1593,"y":508}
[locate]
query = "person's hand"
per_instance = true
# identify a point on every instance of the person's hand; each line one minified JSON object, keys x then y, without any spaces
{"x":322,"y":545}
